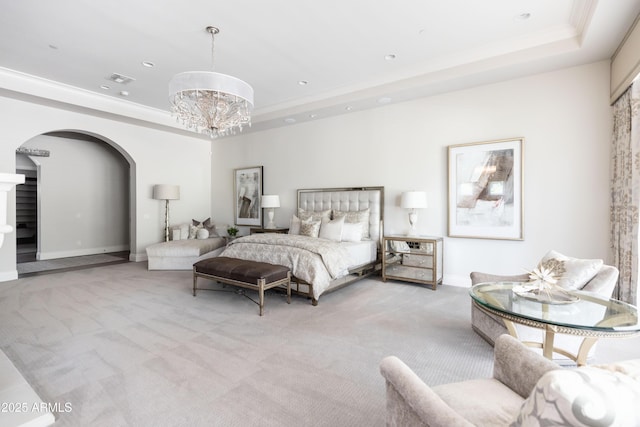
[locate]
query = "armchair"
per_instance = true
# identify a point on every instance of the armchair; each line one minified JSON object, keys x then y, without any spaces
{"x":480,"y":402}
{"x":526,"y":389}
{"x":490,"y":327}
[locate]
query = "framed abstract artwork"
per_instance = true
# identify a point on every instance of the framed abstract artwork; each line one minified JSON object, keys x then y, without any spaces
{"x":247,"y":190}
{"x":486,"y":189}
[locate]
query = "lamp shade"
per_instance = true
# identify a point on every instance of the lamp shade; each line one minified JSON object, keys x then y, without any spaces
{"x":414,"y":200}
{"x":166,"y":192}
{"x":271,"y":201}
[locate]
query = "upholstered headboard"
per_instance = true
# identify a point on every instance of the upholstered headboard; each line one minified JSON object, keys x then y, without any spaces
{"x":348,"y":199}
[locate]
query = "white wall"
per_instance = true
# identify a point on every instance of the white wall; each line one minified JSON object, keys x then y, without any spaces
{"x":564,"y":117}
{"x":83,"y":197}
{"x":155,"y":154}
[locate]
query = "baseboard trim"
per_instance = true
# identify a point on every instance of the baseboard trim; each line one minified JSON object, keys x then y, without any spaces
{"x":42,"y":256}
{"x":138,"y":257}
{"x":6,"y":276}
{"x":457,"y":280}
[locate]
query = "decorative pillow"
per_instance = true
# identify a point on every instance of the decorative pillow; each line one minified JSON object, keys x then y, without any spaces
{"x":294,"y":225}
{"x":175,"y":233}
{"x":202,"y":233}
{"x":309,"y":228}
{"x":314,"y":215}
{"x":351,"y":232}
{"x":193,"y":231}
{"x":184,"y":231}
{"x":585,"y":396}
{"x":572,"y":273}
{"x":208,"y":225}
{"x":360,"y":217}
{"x":332,"y":230}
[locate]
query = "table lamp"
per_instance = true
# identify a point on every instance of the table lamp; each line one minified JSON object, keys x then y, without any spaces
{"x":166,"y":192}
{"x":269,"y":202}
{"x":413,"y":200}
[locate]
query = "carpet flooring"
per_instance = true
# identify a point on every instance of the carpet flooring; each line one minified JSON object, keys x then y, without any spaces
{"x":123,"y":346}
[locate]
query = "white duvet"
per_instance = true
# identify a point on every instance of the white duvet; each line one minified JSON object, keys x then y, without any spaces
{"x":316,"y":261}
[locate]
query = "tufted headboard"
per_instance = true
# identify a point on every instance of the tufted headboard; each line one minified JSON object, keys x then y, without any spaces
{"x":348,"y":199}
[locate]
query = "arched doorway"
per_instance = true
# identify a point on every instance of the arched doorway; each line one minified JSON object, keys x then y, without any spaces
{"x":83,"y":205}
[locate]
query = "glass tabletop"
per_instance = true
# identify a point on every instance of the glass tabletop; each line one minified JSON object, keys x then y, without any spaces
{"x":588,"y":311}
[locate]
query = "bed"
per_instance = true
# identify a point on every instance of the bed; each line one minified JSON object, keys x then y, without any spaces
{"x":335,"y":239}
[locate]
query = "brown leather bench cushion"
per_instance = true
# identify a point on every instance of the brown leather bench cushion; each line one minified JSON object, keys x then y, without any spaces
{"x":241,"y":270}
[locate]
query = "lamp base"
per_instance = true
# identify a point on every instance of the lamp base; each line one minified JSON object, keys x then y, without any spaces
{"x":270,"y":224}
{"x":413,"y":220}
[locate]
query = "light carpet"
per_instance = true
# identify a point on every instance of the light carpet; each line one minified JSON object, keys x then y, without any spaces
{"x":123,"y":346}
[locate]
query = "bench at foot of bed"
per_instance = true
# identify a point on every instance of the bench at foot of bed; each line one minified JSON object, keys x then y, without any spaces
{"x":254,"y":275}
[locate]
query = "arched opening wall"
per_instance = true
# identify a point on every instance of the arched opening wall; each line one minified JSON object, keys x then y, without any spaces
{"x":82,"y":198}
{"x":156,"y":155}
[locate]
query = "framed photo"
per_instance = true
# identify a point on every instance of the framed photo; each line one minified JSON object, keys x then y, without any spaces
{"x":485,"y":189}
{"x":247,"y":190}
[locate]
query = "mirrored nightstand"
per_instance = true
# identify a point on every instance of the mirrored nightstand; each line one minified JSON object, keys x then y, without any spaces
{"x":415,"y":259}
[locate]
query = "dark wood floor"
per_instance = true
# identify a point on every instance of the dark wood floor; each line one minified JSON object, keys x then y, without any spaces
{"x":31,"y":257}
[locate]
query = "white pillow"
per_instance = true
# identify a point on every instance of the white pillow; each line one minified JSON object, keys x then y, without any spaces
{"x":184,"y":231}
{"x":585,"y":396}
{"x":202,"y":234}
{"x":361,"y":217}
{"x":572,"y":273}
{"x":332,"y":230}
{"x":351,"y":232}
{"x":294,"y":225}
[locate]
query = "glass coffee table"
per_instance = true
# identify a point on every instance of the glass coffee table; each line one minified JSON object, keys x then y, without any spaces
{"x":586,"y":315}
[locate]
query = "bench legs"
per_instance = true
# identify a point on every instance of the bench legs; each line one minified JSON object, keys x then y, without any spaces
{"x":260,"y":286}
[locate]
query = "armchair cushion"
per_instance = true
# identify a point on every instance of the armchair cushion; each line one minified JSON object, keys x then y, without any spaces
{"x":572,"y":273}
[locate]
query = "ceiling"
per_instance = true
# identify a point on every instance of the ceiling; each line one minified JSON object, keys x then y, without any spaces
{"x":339,"y":47}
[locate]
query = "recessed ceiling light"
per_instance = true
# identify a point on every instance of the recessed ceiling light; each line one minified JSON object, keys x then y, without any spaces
{"x":348,"y":108}
{"x":148,"y":64}
{"x":390,"y":57}
{"x":53,"y":46}
{"x":124,"y":93}
{"x":303,"y":82}
{"x":313,"y":116}
{"x":104,"y":87}
{"x":523,"y":16}
{"x":289,"y":120}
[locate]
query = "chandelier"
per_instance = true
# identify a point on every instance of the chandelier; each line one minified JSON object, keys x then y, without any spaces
{"x":211,"y":103}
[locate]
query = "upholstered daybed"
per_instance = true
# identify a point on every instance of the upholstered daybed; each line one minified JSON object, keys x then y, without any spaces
{"x":182,"y":254}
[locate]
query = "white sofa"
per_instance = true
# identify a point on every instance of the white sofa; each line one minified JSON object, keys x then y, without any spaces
{"x":182,"y":254}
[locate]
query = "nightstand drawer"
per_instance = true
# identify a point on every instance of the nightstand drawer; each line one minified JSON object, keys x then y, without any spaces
{"x":409,"y":273}
{"x":417,"y":260}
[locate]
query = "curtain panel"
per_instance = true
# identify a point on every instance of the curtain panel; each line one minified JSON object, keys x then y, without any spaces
{"x":625,"y":192}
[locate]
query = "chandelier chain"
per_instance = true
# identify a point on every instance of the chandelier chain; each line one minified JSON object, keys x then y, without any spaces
{"x":213,"y":49}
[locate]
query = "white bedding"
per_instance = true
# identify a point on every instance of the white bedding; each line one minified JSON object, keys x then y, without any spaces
{"x":316,"y":261}
{"x":362,"y":252}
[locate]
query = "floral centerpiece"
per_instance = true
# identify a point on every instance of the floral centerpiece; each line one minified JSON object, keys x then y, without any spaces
{"x":543,"y":287}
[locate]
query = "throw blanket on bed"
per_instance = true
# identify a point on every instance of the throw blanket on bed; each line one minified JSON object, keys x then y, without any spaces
{"x":316,"y":261}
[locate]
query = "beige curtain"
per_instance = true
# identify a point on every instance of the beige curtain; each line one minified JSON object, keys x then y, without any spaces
{"x":625,"y":192}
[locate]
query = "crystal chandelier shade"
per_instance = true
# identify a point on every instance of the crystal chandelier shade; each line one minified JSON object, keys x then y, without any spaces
{"x":211,"y":103}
